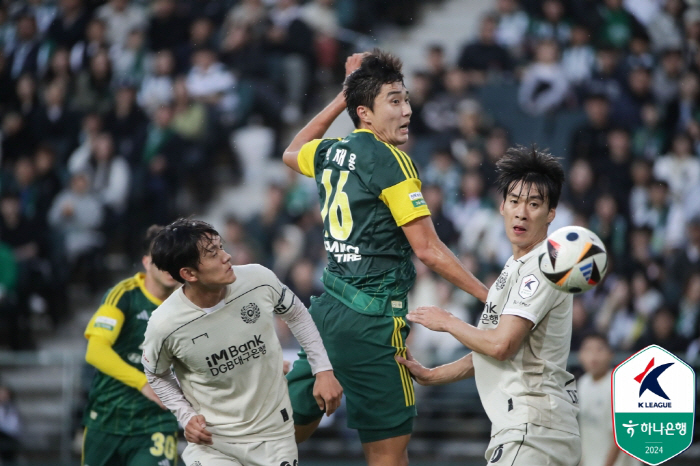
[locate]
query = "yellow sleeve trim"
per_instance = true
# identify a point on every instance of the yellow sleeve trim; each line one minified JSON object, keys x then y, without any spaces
{"x":106,"y":322}
{"x":306,"y":156}
{"x":405,"y":201}
{"x":101,"y":355}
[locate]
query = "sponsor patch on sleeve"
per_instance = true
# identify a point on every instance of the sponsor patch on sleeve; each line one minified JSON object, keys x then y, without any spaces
{"x":105,"y":322}
{"x":528,"y":286}
{"x":417,"y":199}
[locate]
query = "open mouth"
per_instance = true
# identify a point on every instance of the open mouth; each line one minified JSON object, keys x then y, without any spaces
{"x":519,"y":230}
{"x":403,"y":128}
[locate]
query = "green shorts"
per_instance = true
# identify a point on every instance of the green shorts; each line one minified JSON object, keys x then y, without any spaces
{"x":378,"y":391}
{"x":105,"y":449}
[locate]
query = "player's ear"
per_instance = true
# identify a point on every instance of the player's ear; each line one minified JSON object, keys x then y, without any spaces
{"x":188,"y":274}
{"x":550,"y":216}
{"x":364,"y":114}
{"x":500,"y":209}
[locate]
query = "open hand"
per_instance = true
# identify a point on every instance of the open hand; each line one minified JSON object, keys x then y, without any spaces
{"x":196,"y":431}
{"x":327,"y":392}
{"x":432,"y":317}
{"x":353,"y":62}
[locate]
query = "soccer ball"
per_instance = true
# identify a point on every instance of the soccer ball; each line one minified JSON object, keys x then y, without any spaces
{"x":573,"y":259}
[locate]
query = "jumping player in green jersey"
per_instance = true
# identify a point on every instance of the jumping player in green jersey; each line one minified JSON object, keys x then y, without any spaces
{"x":374,"y":218}
{"x":125,"y":422}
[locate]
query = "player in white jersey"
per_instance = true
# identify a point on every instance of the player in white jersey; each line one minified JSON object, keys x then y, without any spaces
{"x":595,"y":418}
{"x":218,"y":334}
{"x":521,"y":344}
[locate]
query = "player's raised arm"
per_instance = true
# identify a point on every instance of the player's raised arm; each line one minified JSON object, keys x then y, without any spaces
{"x":438,"y":257}
{"x":318,"y":125}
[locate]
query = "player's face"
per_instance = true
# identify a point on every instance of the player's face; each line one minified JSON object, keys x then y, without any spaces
{"x":391,"y":114}
{"x":214,"y":264}
{"x":526,"y":215}
{"x":595,"y":357}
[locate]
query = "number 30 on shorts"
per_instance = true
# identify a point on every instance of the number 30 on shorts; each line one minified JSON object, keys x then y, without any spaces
{"x":164,"y":445}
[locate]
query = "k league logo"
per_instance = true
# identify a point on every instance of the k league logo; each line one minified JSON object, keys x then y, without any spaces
{"x":653,"y":401}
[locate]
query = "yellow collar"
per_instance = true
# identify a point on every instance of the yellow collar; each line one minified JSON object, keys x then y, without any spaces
{"x":141,"y":280}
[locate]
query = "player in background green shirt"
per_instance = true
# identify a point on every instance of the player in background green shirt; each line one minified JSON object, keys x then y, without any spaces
{"x":125,"y":422}
{"x":374,"y":218}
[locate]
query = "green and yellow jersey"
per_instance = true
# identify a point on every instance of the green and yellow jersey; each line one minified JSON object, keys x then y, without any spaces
{"x":367,"y":189}
{"x":115,"y":403}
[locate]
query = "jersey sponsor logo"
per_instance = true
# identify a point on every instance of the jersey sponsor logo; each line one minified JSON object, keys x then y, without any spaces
{"x":489,"y":316}
{"x":343,"y":252}
{"x":501,"y":282}
{"x":528,"y":286}
{"x":417,"y":199}
{"x":196,"y":463}
{"x":105,"y":322}
{"x":397,"y":304}
{"x":229,"y":358}
{"x":143,"y":315}
{"x":250,"y":313}
{"x":287,"y":463}
{"x":93,"y":415}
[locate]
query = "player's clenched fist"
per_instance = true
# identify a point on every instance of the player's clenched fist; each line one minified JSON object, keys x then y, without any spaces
{"x":327,"y":392}
{"x":196,"y":431}
{"x":353,"y":62}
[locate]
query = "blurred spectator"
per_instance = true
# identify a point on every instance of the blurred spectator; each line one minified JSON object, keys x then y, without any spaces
{"x":617,"y":25}
{"x":627,"y":109}
{"x":247,"y":14}
{"x":664,"y":217}
{"x":666,"y":78}
{"x":48,"y":181}
{"x":443,"y":225}
{"x":639,"y":53}
{"x":24,"y":56}
{"x":211,"y":83}
{"x":551,"y":25}
{"x":544,"y":86}
{"x":320,"y":16}
{"x":470,"y":132}
{"x":59,"y":70}
{"x":661,"y":331}
{"x":121,"y":17}
{"x":289,"y":41}
{"x":16,"y":138}
{"x":512,"y":26}
{"x":167,"y":28}
{"x":127,"y":124}
{"x":93,"y":87}
{"x":264,"y":225}
{"x":665,"y":28}
{"x":54,"y":123}
{"x":443,"y":172}
{"x":484,"y":56}
{"x":594,"y":398}
{"x":649,"y":139}
{"x":684,"y":260}
{"x":691,"y":21}
{"x":684,"y":110}
{"x":157,"y":86}
{"x":95,"y":40}
{"x":589,"y":141}
{"x":77,"y":216}
{"x":580,"y":190}
{"x":130,"y":59}
{"x":616,"y":318}
{"x":10,"y":427}
{"x":15,"y":329}
{"x":610,"y":226}
{"x":302,"y":280}
{"x":615,"y":169}
{"x":578,"y":59}
{"x":435,"y":69}
{"x":68,"y":27}
{"x":607,"y":78}
{"x":440,"y":111}
{"x":641,"y":173}
{"x":680,"y":168}
{"x":201,"y":36}
{"x":689,"y":308}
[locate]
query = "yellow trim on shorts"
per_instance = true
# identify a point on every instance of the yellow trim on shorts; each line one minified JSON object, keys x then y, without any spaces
{"x":82,"y":448}
{"x":397,"y":342}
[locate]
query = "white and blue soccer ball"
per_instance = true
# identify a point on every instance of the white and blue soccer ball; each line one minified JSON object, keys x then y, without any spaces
{"x":573,"y":259}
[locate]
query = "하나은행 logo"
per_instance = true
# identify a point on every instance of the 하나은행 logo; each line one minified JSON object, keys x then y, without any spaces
{"x":653,"y":404}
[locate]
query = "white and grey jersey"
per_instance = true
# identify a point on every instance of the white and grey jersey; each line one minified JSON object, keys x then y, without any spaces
{"x":533,"y":386}
{"x":228,"y":361}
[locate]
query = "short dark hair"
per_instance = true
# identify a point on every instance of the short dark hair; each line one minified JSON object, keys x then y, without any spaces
{"x":592,"y":335}
{"x":533,"y":166}
{"x":180,"y":244}
{"x":147,"y":243}
{"x":365,"y":83}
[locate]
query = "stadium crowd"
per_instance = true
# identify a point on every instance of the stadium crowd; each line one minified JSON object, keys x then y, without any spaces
{"x":116,"y":115}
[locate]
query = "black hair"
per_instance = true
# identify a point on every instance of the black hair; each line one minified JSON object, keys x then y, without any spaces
{"x":592,"y":335}
{"x":147,"y":242}
{"x":181,"y":244}
{"x":532,"y":166}
{"x":365,"y":83}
